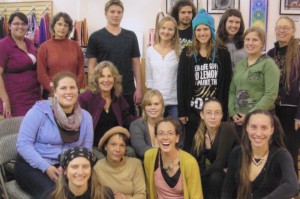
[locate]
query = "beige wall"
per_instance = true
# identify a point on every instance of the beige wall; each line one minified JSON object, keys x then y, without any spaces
{"x":140,"y":15}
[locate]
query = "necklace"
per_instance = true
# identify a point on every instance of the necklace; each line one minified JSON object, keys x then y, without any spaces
{"x":211,"y":140}
{"x":169,"y":167}
{"x":258,"y":161}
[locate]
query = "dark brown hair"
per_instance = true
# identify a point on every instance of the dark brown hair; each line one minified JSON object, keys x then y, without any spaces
{"x":174,"y":122}
{"x":244,"y":189}
{"x":222,"y":34}
{"x":20,"y":15}
{"x":182,"y":3}
{"x":66,"y":18}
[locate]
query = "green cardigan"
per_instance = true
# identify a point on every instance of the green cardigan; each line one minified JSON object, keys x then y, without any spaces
{"x":254,"y":87}
{"x":189,"y":169}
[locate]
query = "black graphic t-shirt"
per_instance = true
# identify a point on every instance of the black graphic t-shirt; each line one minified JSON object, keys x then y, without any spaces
{"x":205,"y":87}
{"x":186,"y":36}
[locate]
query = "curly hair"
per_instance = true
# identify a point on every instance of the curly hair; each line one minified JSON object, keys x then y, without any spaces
{"x":93,"y":80}
{"x":222,"y":34}
{"x":177,"y":7}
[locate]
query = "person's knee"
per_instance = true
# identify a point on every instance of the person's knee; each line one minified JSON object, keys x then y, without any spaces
{"x":216,"y":178}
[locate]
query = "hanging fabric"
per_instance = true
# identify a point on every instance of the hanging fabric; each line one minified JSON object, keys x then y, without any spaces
{"x":5,"y":26}
{"x":44,"y":33}
{"x":47,"y":25}
{"x":81,"y":33}
{"x":2,"y":27}
{"x":33,"y":29}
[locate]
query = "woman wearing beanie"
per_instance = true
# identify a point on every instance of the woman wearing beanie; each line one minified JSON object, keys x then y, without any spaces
{"x":204,"y":72}
{"x":78,"y":180}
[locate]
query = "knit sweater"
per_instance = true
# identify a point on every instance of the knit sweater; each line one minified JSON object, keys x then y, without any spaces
{"x":126,"y":177}
{"x":253,"y":87}
{"x":140,"y":137}
{"x":56,"y":56}
{"x":189,"y":169}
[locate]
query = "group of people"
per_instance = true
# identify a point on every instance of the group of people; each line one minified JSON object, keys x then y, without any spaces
{"x":213,"y":117}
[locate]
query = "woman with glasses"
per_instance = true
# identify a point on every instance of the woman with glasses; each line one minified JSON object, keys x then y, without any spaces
{"x":19,"y":88}
{"x":171,"y":172}
{"x":59,"y":54}
{"x":254,"y":84}
{"x":286,"y":55}
{"x":212,"y":144}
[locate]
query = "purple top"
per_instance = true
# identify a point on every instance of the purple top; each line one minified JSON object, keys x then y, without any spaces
{"x":19,"y":76}
{"x":94,"y":104}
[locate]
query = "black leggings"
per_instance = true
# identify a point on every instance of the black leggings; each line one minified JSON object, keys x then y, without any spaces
{"x":286,"y":115}
{"x":212,"y":184}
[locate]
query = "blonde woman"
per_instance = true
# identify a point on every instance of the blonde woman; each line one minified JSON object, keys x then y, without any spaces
{"x":142,"y":130}
{"x":105,"y":102}
{"x":162,"y":64}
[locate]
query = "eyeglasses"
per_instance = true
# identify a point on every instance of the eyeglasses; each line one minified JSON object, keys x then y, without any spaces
{"x":65,"y":25}
{"x":19,"y":24}
{"x":168,"y":134}
{"x":211,"y":113}
{"x":283,"y":28}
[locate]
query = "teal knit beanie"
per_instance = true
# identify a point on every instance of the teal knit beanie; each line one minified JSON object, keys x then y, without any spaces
{"x":204,"y":18}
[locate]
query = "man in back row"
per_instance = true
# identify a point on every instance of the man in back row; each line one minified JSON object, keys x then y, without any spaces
{"x":183,"y":12}
{"x":119,"y":46}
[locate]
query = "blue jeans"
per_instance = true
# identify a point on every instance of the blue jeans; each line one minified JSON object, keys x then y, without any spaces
{"x":31,"y":180}
{"x":171,"y":111}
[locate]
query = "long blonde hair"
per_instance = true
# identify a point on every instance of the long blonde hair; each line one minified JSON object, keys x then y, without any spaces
{"x":175,"y":40}
{"x":199,"y":136}
{"x":292,"y":56}
{"x":93,"y":80}
{"x":97,"y":190}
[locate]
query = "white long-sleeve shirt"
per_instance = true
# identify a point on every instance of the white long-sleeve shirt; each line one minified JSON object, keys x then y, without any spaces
{"x":161,"y":74}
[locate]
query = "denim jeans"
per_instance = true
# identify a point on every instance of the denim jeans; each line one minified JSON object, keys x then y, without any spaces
{"x":32,"y":180}
{"x":171,"y":111}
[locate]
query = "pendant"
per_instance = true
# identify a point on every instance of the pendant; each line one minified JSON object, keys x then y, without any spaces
{"x":257,"y":161}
